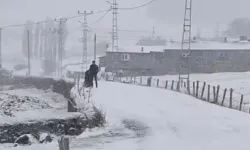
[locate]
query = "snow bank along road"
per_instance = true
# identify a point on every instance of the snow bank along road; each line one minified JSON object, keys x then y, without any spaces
{"x":160,"y":119}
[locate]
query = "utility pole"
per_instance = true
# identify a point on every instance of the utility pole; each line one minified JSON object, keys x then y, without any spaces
{"x":184,"y":64}
{"x":217,"y":30}
{"x":95,"y":47}
{"x":62,"y":21}
{"x":114,"y":7}
{"x":85,"y":40}
{"x":28,"y":36}
{"x":0,"y":47}
{"x":153,"y":33}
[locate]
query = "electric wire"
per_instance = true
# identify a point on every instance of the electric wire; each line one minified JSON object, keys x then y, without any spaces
{"x":136,"y":7}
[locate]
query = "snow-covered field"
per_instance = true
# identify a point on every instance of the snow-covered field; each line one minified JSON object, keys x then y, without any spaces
{"x":238,"y":81}
{"x":151,"y":118}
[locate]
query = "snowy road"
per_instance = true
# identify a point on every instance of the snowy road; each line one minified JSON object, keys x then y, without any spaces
{"x":175,"y":121}
{"x":142,"y":118}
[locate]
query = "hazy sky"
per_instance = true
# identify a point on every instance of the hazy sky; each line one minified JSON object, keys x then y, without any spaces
{"x":160,"y":12}
{"x":166,"y":15}
{"x":204,"y":11}
{"x":18,"y":11}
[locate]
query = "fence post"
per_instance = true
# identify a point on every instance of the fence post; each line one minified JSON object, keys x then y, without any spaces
{"x":185,"y":85}
{"x":158,"y":82}
{"x":224,"y":96}
{"x":178,"y":87}
{"x":188,"y":87}
{"x":172,"y":86}
{"x":217,"y":93}
{"x":231,"y":98}
{"x":197,"y":89}
{"x":241,"y":101}
{"x":63,"y":143}
{"x":166,"y":85}
{"x":193,"y":88}
{"x":203,"y":89}
{"x":140,"y":80}
{"x":149,"y":80}
{"x":214,"y":94}
{"x":106,"y":77}
{"x":208,"y":93}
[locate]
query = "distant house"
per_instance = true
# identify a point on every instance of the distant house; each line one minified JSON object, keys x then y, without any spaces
{"x":167,"y":61}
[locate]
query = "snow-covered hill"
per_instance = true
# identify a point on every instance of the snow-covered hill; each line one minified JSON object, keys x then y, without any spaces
{"x":159,"y":119}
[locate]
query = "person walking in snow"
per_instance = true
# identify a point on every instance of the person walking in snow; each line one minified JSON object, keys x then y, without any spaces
{"x":94,"y":69}
{"x":88,"y":79}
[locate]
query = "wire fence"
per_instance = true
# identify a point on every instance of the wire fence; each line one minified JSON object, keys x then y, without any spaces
{"x":225,"y":97}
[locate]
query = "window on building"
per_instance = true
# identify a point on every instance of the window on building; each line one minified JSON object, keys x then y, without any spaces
{"x":223,"y":54}
{"x":200,"y":54}
{"x":125,"y":57}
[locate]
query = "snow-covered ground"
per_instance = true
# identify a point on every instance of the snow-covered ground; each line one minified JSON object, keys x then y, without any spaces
{"x":151,"y":118}
{"x":31,"y":104}
{"x":238,"y":81}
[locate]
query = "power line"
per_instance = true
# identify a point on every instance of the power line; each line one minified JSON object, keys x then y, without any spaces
{"x":93,"y":13}
{"x":125,"y":30}
{"x":143,"y":5}
{"x":97,"y":21}
{"x":46,"y":21}
{"x":18,"y":25}
{"x":77,"y":16}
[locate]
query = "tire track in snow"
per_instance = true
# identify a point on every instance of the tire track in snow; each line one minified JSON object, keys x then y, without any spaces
{"x":127,"y":130}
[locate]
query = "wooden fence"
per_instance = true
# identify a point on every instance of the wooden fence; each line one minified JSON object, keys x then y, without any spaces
{"x":225,"y":97}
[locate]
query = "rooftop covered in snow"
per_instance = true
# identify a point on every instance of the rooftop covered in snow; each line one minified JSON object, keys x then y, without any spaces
{"x":177,"y":46}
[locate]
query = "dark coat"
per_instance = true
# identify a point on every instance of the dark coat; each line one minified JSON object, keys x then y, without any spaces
{"x":93,"y":69}
{"x":88,"y":80}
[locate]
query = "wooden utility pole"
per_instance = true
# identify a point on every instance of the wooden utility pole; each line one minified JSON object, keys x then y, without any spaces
{"x":95,"y":47}
{"x":28,"y":36}
{"x":62,"y":21}
{"x":0,"y":47}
